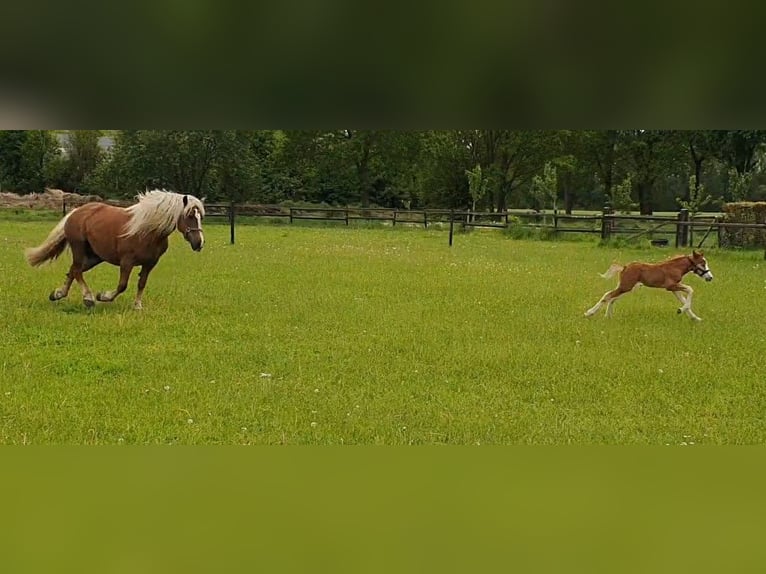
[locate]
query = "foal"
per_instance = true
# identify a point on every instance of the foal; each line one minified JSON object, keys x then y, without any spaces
{"x":666,"y":275}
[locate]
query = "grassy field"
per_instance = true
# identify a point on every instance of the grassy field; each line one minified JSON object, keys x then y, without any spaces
{"x":300,"y":335}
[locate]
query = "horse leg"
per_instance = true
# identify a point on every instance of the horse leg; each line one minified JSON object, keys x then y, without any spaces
{"x":79,"y":259}
{"x":63,"y":291}
{"x":682,"y":299}
{"x":142,"y":278}
{"x":91,"y":260}
{"x":607,"y":297}
{"x":687,"y":305}
{"x":125,"y":269}
{"x":609,"y":309}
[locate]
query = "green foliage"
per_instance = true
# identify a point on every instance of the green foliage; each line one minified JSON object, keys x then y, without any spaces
{"x":73,"y":170}
{"x":402,"y":169}
{"x":26,"y":160}
{"x":544,"y":187}
{"x":477,"y":185}
{"x":739,"y":184}
{"x":621,"y":195}
{"x":698,"y":198}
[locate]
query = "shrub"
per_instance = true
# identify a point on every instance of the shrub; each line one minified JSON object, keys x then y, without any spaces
{"x":743,"y":212}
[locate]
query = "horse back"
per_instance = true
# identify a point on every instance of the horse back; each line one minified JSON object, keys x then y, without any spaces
{"x":99,"y":225}
{"x":656,"y":274}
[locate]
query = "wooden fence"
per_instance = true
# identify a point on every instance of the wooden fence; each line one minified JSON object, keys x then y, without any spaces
{"x":681,"y":229}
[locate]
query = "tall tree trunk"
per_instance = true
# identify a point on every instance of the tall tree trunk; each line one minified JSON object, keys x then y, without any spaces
{"x":567,"y":190}
{"x":697,"y":159}
{"x":363,"y":170}
{"x":608,"y":170}
{"x":645,"y":197}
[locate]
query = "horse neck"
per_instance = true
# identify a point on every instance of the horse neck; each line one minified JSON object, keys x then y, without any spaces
{"x":683,"y":262}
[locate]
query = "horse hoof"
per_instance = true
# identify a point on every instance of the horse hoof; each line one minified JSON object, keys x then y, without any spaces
{"x":679,"y":311}
{"x":137,"y":306}
{"x":88,"y":303}
{"x":53,"y":296}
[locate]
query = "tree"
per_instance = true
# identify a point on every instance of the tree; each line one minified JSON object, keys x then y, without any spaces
{"x":698,"y":198}
{"x":545,"y":188}
{"x":11,"y":142}
{"x":509,"y":158}
{"x":73,"y":169}
{"x":620,"y":196}
{"x":477,"y":185}
{"x":737,"y":148}
{"x":651,"y":156}
{"x":702,"y":147}
{"x":240,"y":155}
{"x":601,"y":149}
{"x":25,"y":160}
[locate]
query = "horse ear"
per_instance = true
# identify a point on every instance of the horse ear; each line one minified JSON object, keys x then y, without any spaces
{"x":696,"y":253}
{"x":186,"y":200}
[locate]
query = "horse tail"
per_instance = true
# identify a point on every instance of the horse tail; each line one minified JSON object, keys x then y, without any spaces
{"x":51,"y":248}
{"x":613,"y":269}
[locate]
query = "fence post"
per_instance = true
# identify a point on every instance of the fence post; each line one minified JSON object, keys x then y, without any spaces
{"x":451,"y":225}
{"x":395,"y":212}
{"x":291,"y":215}
{"x":231,"y":222}
{"x":720,"y":234}
{"x":346,"y":212}
{"x":555,"y":222}
{"x":63,"y":206}
{"x":425,"y":219}
{"x":682,"y":231}
{"x":691,"y":231}
{"x":606,"y":227}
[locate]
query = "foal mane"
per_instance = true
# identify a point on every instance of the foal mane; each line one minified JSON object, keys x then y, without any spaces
{"x":158,"y":210}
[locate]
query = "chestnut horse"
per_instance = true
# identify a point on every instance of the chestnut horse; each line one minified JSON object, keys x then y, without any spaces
{"x":123,"y":236}
{"x":666,"y":275}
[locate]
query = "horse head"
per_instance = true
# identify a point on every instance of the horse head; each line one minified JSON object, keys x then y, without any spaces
{"x":700,"y":266}
{"x":190,"y":222}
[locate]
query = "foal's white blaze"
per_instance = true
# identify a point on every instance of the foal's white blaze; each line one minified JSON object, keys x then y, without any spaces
{"x":199,"y":226}
{"x":708,"y":276}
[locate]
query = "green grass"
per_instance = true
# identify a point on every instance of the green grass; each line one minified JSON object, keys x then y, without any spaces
{"x":313,"y":335}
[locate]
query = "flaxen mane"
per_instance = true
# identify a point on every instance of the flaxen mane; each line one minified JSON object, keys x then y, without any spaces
{"x":158,"y":211}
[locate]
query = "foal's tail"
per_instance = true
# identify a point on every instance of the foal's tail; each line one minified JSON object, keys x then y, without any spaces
{"x":52,"y":247}
{"x":612,"y":271}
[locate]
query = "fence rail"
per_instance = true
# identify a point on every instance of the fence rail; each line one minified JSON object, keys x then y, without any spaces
{"x":681,"y":227}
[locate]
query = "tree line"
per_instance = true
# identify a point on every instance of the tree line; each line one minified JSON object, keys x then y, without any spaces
{"x":642,"y":170}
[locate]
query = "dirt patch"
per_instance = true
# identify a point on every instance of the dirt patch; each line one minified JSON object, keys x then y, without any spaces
{"x":51,"y":199}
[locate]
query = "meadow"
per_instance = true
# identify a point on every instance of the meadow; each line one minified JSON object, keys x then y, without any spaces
{"x":367,"y":335}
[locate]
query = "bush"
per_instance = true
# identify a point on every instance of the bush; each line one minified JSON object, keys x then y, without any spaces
{"x":743,"y":212}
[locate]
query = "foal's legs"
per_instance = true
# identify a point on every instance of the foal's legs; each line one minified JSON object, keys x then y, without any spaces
{"x":609,"y":297}
{"x":687,"y":302}
{"x":610,"y":305}
{"x":108,"y":296}
{"x":681,"y":298}
{"x":142,"y":277}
